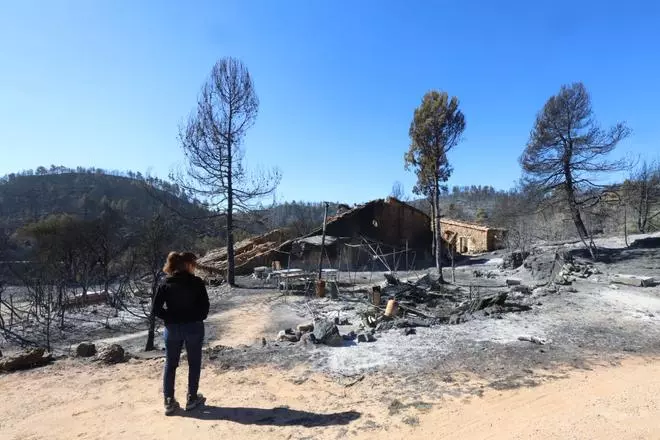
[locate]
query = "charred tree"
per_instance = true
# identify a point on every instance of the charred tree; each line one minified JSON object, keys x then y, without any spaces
{"x":567,"y":149}
{"x":212,"y":139}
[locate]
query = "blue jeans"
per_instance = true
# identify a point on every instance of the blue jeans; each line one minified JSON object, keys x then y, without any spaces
{"x":192,"y":334}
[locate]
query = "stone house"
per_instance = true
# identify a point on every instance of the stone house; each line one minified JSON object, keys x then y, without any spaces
{"x":471,"y":238}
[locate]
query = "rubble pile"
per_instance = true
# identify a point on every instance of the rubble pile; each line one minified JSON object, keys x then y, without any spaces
{"x":426,"y":302}
{"x":514,"y":260}
{"x":249,"y":253}
{"x":560,"y":268}
{"x":404,"y":305}
{"x":324,"y":331}
{"x":571,"y":270}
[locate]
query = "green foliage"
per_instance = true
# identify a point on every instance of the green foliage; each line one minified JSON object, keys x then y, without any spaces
{"x":437,"y":126}
{"x":482,"y":215}
{"x":567,"y":140}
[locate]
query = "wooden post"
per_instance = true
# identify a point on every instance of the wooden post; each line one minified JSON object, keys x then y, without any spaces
{"x":325,"y":219}
{"x":407,"y":266}
{"x":453,"y":264}
{"x":625,"y":224}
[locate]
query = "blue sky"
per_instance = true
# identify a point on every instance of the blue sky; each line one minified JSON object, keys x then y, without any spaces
{"x":106,"y":83}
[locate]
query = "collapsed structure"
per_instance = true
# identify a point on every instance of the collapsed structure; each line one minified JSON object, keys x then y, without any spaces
{"x":383,"y":234}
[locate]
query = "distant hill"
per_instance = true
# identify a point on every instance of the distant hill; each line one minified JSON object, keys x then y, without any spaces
{"x":31,"y":196}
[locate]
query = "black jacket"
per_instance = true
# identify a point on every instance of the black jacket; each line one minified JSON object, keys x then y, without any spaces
{"x":181,"y":298}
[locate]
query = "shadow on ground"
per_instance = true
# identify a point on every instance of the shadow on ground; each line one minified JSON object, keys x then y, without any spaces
{"x":273,"y":417}
{"x":640,"y":252}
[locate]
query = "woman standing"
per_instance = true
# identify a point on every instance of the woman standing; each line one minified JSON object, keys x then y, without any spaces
{"x":183,"y":303}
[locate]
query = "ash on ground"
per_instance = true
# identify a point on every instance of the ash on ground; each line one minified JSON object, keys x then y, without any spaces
{"x":551,"y":307}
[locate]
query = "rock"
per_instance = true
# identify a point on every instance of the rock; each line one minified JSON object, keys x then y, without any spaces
{"x":286,"y":336}
{"x":351,"y":336}
{"x":366,"y":337}
{"x":344,"y":321}
{"x":305,"y":328}
{"x":112,"y":354}
{"x":513,"y":282}
{"x":544,"y":267}
{"x":514,"y":260}
{"x":633,"y":280}
{"x":0,"y":353}
{"x":563,"y":279}
{"x":409,"y":331}
{"x":27,"y":359}
{"x":85,"y":350}
{"x":521,"y":289}
{"x":326,"y":332}
{"x":533,"y":339}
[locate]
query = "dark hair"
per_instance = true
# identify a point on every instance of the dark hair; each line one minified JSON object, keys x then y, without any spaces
{"x":177,"y":261}
{"x":188,"y":257}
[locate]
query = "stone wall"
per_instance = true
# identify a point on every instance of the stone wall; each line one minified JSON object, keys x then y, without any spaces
{"x":470,"y":239}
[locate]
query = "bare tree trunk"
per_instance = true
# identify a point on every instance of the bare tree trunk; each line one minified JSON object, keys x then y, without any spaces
{"x":151,"y":332}
{"x":433,"y":244}
{"x":644,"y":217}
{"x":576,"y":216}
{"x":60,"y":303}
{"x":625,"y":224}
{"x":438,"y":237}
{"x":575,"y":210}
{"x":230,"y":221}
{"x":453,"y":264}
{"x":2,"y":321}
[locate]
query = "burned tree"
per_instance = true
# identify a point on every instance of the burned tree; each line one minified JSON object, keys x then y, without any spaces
{"x":227,"y":107}
{"x":156,"y":239}
{"x":397,"y":191}
{"x":642,"y":193}
{"x":436,"y":128}
{"x":567,"y":148}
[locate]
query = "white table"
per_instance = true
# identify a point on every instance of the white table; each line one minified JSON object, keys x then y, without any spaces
{"x":286,"y":275}
{"x":261,"y":272}
{"x":330,"y":274}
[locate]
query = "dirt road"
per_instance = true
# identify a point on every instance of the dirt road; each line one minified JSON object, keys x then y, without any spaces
{"x":67,"y":400}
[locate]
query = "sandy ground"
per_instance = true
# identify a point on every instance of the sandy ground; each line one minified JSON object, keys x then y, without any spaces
{"x":66,"y":401}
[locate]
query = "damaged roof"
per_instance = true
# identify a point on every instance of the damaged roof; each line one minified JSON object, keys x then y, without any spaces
{"x":463,"y":224}
{"x":315,"y":240}
{"x":358,"y":208}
